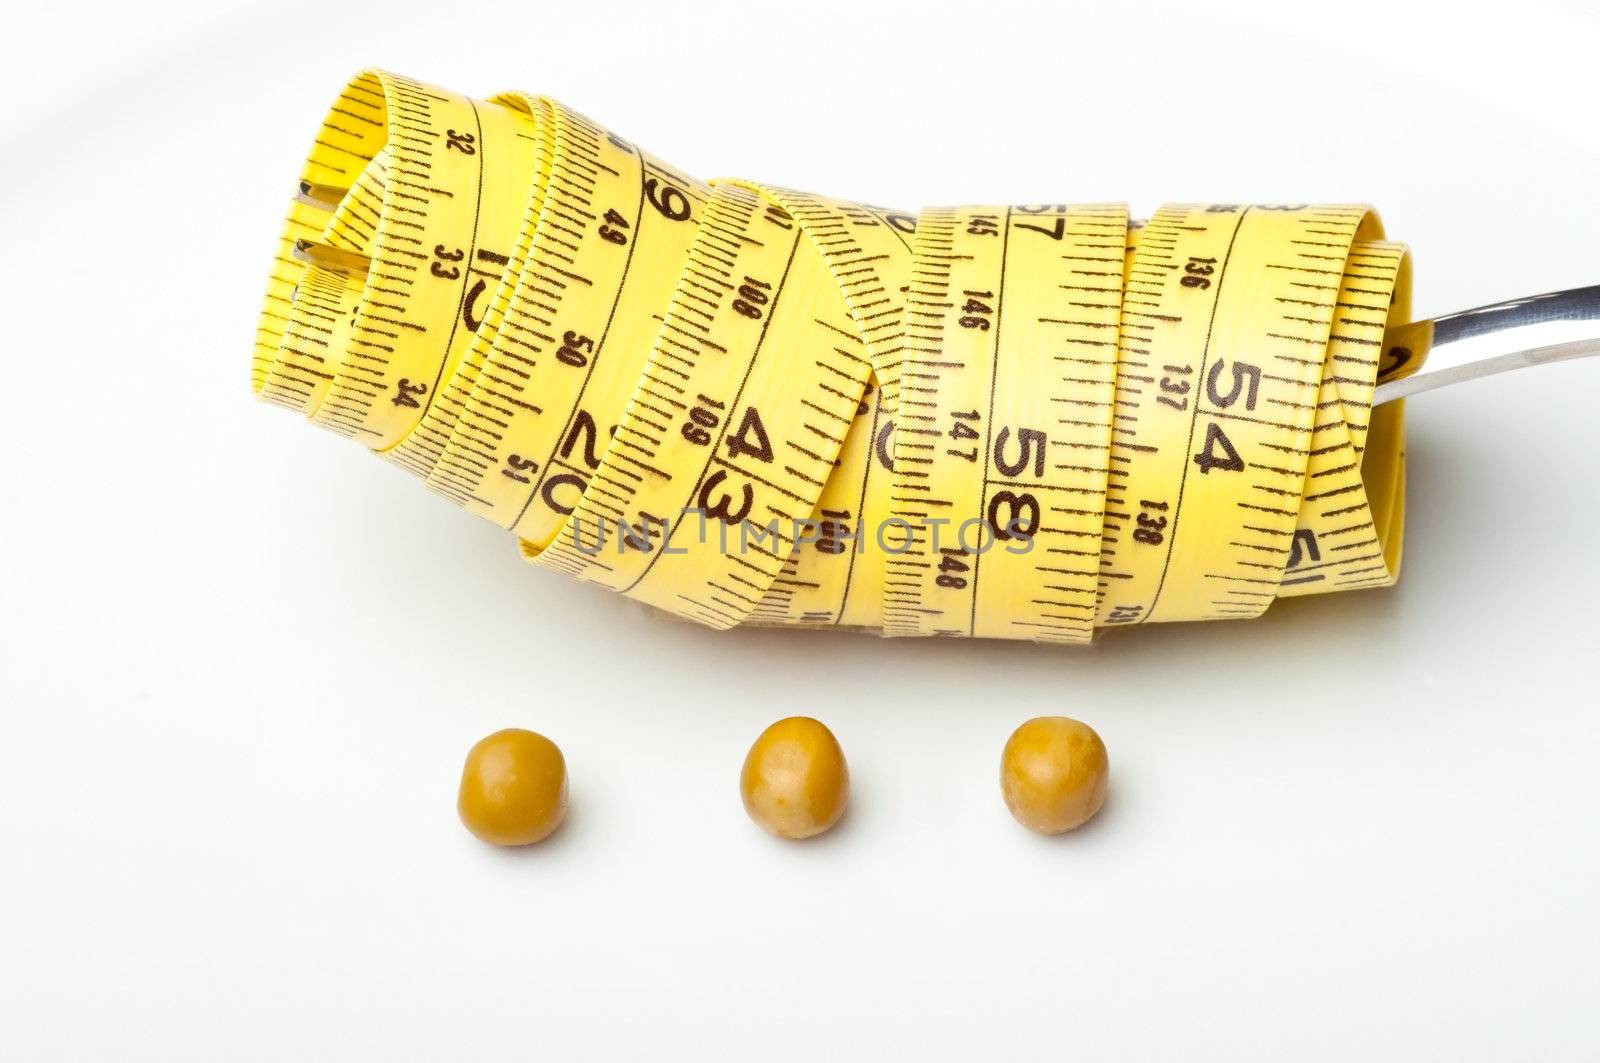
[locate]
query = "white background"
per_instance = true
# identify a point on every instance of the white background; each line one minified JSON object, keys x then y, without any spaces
{"x":242,"y":660}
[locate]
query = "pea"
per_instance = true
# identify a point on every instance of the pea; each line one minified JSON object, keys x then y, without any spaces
{"x":795,"y":782}
{"x":1053,"y":774}
{"x":513,"y":788}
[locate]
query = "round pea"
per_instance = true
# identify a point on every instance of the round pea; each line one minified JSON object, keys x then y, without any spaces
{"x":1053,"y":774}
{"x":795,"y":782}
{"x":513,"y":788}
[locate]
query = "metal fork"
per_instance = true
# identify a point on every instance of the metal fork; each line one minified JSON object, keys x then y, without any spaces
{"x":1466,"y":345}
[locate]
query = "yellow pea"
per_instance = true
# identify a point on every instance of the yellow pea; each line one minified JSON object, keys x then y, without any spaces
{"x":513,"y":788}
{"x":1053,"y":774}
{"x":795,"y":782}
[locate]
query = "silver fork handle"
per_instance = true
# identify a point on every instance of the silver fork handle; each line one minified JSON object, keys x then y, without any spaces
{"x":1536,"y":330}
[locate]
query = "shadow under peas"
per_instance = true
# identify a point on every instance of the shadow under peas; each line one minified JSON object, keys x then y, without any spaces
{"x":839,"y":834}
{"x":1084,"y":833}
{"x":551,"y":847}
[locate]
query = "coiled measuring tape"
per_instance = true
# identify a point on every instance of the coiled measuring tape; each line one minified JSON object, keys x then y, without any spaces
{"x":746,"y":404}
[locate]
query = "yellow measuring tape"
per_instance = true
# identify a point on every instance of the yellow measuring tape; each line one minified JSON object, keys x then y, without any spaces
{"x":746,"y":404}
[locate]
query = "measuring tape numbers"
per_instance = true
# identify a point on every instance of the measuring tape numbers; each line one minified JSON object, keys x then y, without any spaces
{"x":746,"y":404}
